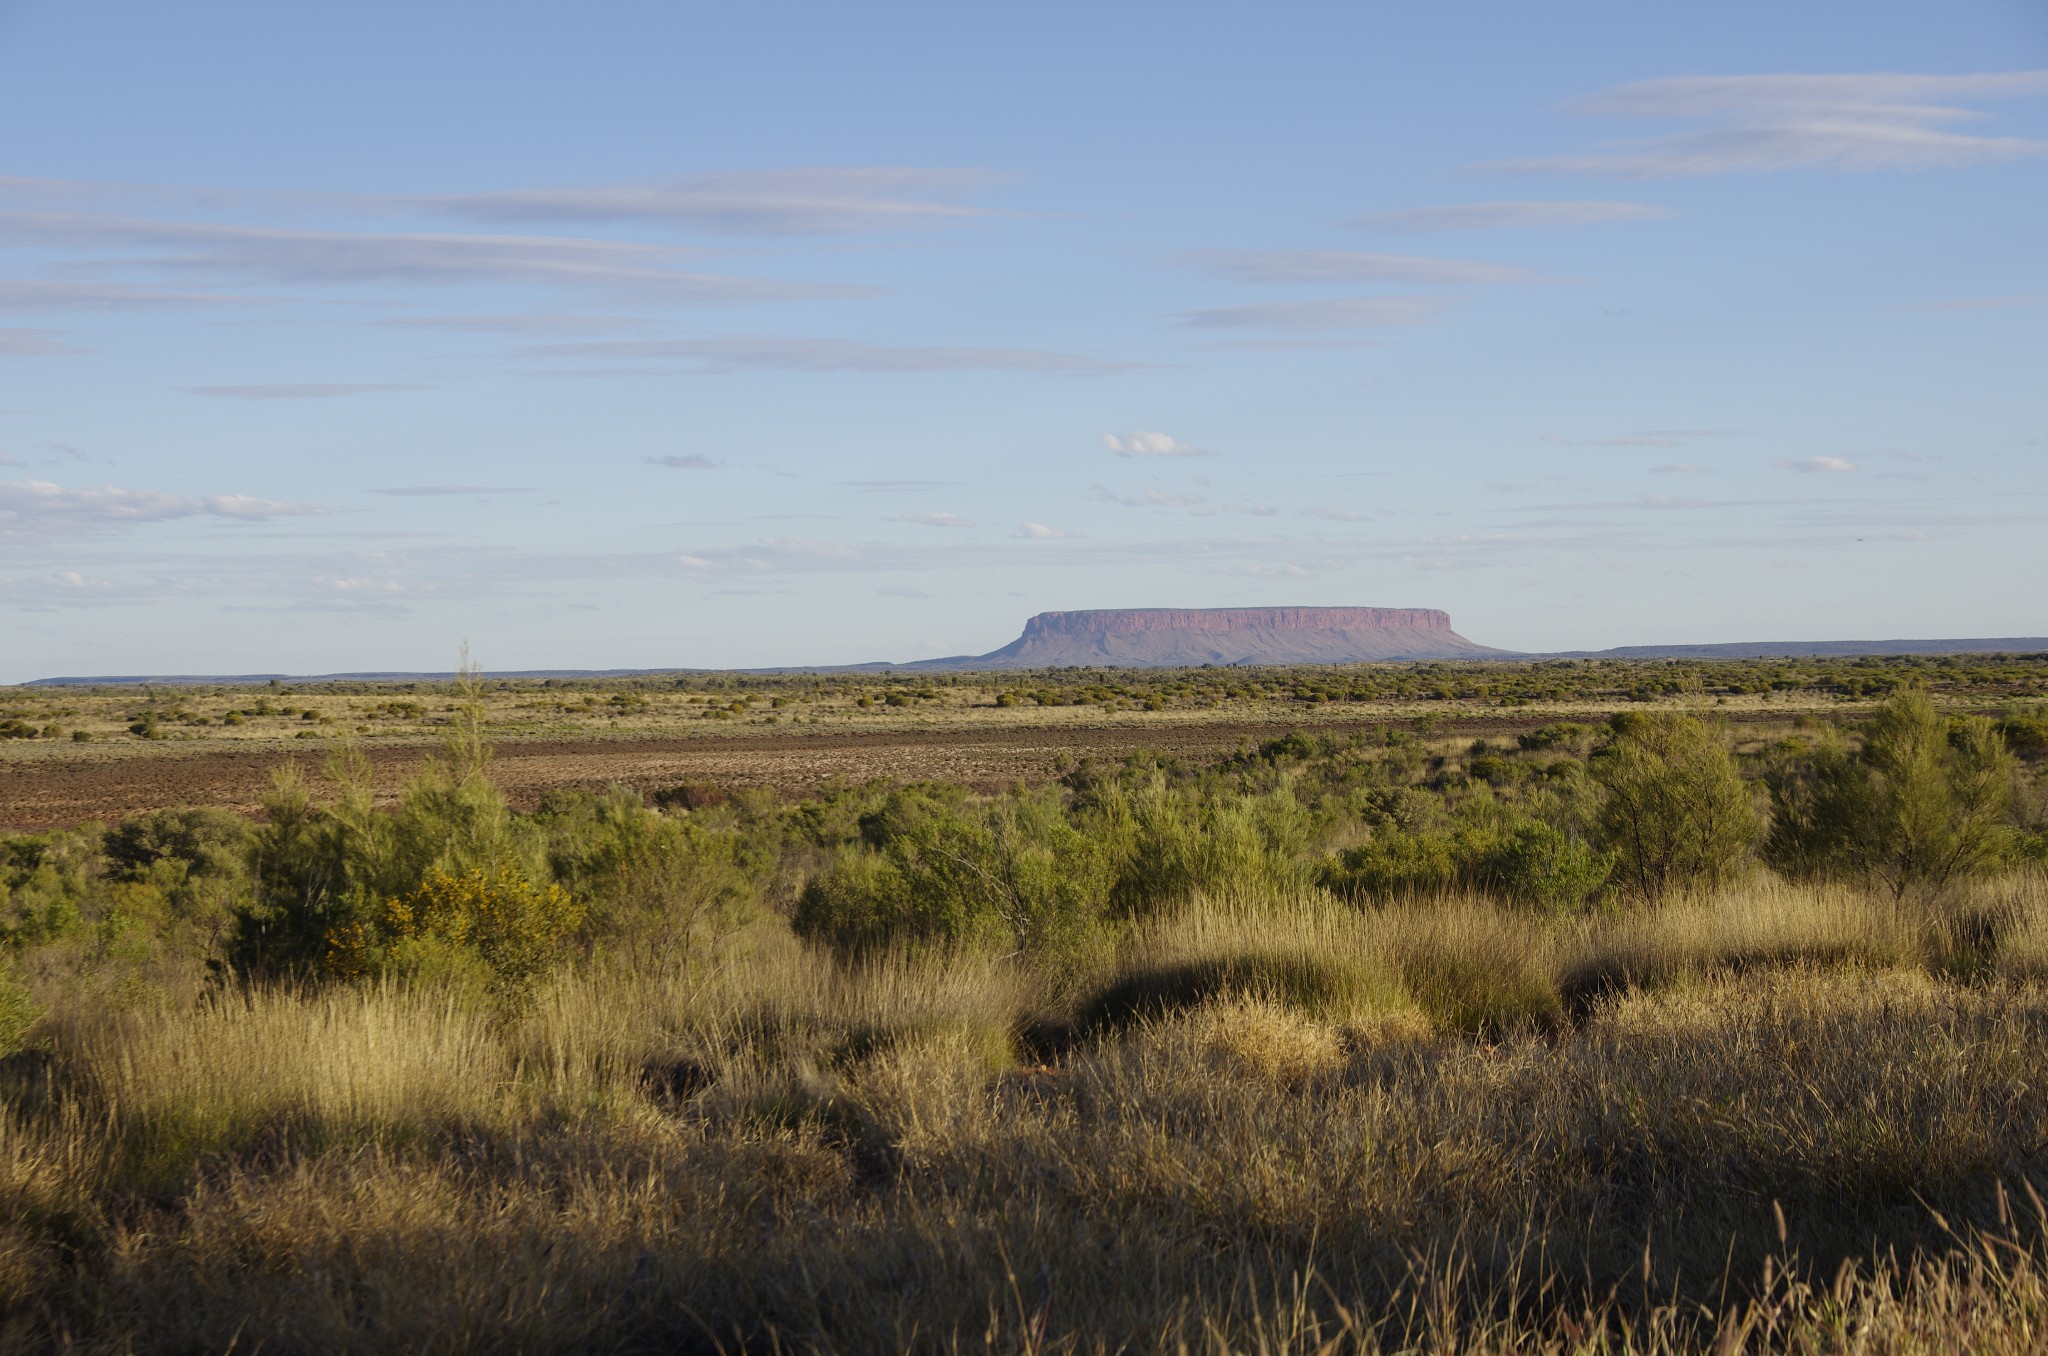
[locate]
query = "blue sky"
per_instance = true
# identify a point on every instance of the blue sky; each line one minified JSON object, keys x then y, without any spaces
{"x":652,"y":334}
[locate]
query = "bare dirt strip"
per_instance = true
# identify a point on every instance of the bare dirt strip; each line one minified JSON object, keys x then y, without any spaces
{"x":102,"y":784}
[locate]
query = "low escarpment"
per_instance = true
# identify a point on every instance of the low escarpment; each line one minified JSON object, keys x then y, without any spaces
{"x":1155,"y":637}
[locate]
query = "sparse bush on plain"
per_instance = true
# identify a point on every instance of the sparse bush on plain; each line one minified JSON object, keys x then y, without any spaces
{"x":1921,"y":805}
{"x":1677,"y":814}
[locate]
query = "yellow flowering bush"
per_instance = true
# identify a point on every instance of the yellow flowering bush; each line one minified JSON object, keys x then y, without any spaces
{"x":506,"y":921}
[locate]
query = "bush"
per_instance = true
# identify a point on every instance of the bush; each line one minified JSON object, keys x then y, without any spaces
{"x":1677,"y":812}
{"x":1014,"y":875}
{"x":514,"y":927}
{"x":1921,"y":805}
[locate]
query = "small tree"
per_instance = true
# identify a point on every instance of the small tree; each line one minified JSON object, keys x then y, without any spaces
{"x":1923,"y":804}
{"x":1676,"y":812}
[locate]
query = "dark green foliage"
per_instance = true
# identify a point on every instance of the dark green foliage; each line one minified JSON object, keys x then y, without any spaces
{"x":1922,"y":804}
{"x":1014,"y":875}
{"x":1318,"y":984}
{"x":1677,"y":813}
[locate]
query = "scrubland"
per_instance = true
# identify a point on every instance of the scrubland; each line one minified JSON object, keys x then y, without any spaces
{"x":1616,"y":1036}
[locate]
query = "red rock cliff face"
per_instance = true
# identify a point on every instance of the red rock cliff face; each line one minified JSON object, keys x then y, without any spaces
{"x":1154,"y":637}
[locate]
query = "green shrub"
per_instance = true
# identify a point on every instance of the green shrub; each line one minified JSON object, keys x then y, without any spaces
{"x":512,"y":926}
{"x":1677,"y":813}
{"x":1920,"y":806}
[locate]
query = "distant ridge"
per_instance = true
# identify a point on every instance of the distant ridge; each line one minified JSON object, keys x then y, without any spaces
{"x":1184,"y":637}
{"x":1815,"y":649}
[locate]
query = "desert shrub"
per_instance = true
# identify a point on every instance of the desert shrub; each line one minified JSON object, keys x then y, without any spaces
{"x":1921,"y":805}
{"x":512,"y":926}
{"x":1519,"y":861}
{"x":1395,"y":864}
{"x":651,"y":885}
{"x":1540,"y":866}
{"x":197,"y":857}
{"x":1560,"y":735}
{"x":1677,"y":813}
{"x":1014,"y":874}
{"x":1170,"y":846}
{"x":2026,"y":734}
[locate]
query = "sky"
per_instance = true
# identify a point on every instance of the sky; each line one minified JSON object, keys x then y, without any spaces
{"x":674,"y":334}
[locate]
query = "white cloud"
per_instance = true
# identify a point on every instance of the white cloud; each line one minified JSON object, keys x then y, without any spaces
{"x":679,"y":463}
{"x":1149,"y":497}
{"x":1677,"y":468}
{"x":1332,"y":515}
{"x":1824,"y":465}
{"x":41,"y":503}
{"x":302,"y":390}
{"x":744,"y":352}
{"x":1143,"y":444}
{"x":1338,"y":313}
{"x":747,"y":202}
{"x":1765,"y":123}
{"x":1482,"y":216}
{"x":1040,"y":532}
{"x":934,"y":519}
{"x":1347,"y":266}
{"x":288,"y":255}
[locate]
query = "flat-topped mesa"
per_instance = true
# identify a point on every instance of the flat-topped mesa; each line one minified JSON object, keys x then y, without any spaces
{"x":1154,"y":637}
{"x":1135,"y":620}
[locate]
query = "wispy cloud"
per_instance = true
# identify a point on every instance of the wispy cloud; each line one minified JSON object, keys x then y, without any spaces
{"x":541,"y":323}
{"x":1514,"y":215}
{"x":1817,"y":465}
{"x":273,"y":254}
{"x":30,"y":504}
{"x":1656,"y":437}
{"x":826,"y":201}
{"x":1763,"y":123}
{"x":432,"y":491}
{"x":301,"y":390}
{"x":34,"y":295}
{"x":1143,"y":444}
{"x":1972,"y":304}
{"x":683,"y":463}
{"x":933,"y":519}
{"x":1150,"y":497}
{"x":897,"y":486}
{"x":1333,"y":515}
{"x":1040,"y":532}
{"x":1677,"y":468}
{"x":1337,"y":313}
{"x":741,"y":353}
{"x":32,"y":344}
{"x":1349,"y":266}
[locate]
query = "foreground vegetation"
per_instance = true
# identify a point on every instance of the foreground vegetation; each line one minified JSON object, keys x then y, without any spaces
{"x":1615,"y":1035}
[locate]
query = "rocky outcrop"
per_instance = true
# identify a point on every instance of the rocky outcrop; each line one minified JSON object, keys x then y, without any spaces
{"x":1155,"y":637}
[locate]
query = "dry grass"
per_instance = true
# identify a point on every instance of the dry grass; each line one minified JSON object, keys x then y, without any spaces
{"x":1787,"y":1123}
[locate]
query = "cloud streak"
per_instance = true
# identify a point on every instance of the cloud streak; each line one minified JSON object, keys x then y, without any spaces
{"x":17,"y":343}
{"x":1335,"y":313}
{"x":1513,"y":215}
{"x":1345,"y":266}
{"x":271,"y":254}
{"x":769,"y":353}
{"x":33,"y":504}
{"x":825,"y":201}
{"x":301,"y":390}
{"x":1855,"y":123}
{"x":1142,"y":444}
